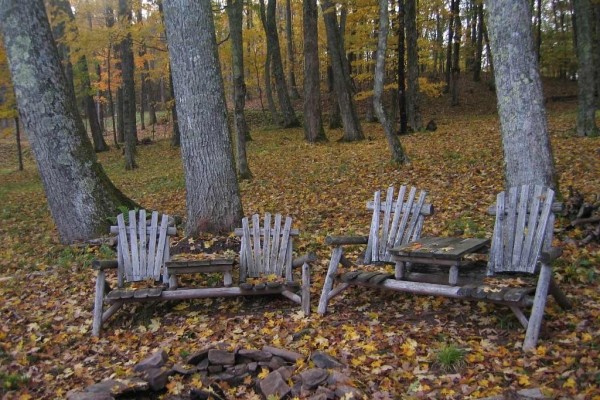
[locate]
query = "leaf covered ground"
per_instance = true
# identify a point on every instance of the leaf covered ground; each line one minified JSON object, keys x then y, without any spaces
{"x":391,"y":341}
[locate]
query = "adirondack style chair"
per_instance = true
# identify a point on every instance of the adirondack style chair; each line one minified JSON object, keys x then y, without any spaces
{"x":266,"y":266}
{"x":396,"y":220}
{"x":522,"y":243}
{"x":142,"y":250}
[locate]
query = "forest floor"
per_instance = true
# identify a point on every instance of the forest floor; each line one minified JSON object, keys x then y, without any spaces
{"x":389,"y":340}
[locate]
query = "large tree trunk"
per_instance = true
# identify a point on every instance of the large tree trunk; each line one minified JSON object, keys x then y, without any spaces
{"x":18,"y":139}
{"x":413,"y":102}
{"x":63,"y":18}
{"x":127,"y":74}
{"x":313,"y":121}
{"x":341,"y":80}
{"x":527,"y":150}
{"x":235,"y":9}
{"x":276,"y":119}
{"x":449,"y":46}
{"x":212,"y":197}
{"x":289,"y":118}
{"x":479,"y":45}
{"x":398,"y":155}
{"x":290,"y":50}
{"x":80,"y":195}
{"x":586,"y":109}
{"x":401,"y":70}
{"x":335,"y":119}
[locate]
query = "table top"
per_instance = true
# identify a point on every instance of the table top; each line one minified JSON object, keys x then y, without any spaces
{"x":449,"y":248}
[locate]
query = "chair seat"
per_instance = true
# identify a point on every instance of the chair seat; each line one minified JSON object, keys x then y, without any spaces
{"x":359,"y":276}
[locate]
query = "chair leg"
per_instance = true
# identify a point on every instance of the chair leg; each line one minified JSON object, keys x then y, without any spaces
{"x":329,"y":279}
{"x":306,"y":289}
{"x":559,"y":296}
{"x":98,"y":303}
{"x":537,"y":311}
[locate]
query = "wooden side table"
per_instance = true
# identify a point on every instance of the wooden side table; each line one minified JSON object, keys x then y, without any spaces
{"x":443,"y":251}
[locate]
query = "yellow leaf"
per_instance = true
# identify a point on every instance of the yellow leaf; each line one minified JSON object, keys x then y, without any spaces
{"x":263,"y":373}
{"x":570,"y":384}
{"x":524,"y":380}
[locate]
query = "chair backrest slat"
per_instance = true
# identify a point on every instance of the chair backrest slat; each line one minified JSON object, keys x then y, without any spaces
{"x":394,"y":222}
{"x":523,"y":227}
{"x":143,"y":247}
{"x":268,"y":249}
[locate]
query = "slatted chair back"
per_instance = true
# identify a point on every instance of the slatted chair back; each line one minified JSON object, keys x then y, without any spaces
{"x":395,"y":221}
{"x":143,"y":246}
{"x":266,"y":249}
{"x":523,"y":228}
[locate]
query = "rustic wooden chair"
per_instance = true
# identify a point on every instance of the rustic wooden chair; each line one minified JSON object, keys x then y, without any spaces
{"x":394,"y":222}
{"x":522,"y":243}
{"x":265,"y":265}
{"x":142,"y":250}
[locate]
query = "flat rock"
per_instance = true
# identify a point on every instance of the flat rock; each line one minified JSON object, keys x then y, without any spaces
{"x":337,"y":378}
{"x":186,"y":369}
{"x":283,"y":353}
{"x":532,"y":393}
{"x":256,"y":355}
{"x":273,"y":386}
{"x":157,"y":378}
{"x":203,"y":365}
{"x":197,"y":357}
{"x":110,"y":386}
{"x":89,"y":396}
{"x":286,"y":371}
{"x":349,"y":392}
{"x":253,"y":366}
{"x":313,"y":377}
{"x":328,"y":393}
{"x":324,"y":360}
{"x":221,"y":357}
{"x":156,"y":360}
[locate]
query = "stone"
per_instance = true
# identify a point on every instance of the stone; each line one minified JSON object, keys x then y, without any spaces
{"x":532,"y":393}
{"x":297,"y":388}
{"x":285,"y":354}
{"x":275,"y":363}
{"x":238,"y":370}
{"x":256,"y":355}
{"x":328,"y":393}
{"x":320,"y":396}
{"x":337,"y":378}
{"x":182,"y":369}
{"x":313,"y":377}
{"x":253,"y":366}
{"x":221,"y":357}
{"x":111,"y":386}
{"x":156,"y":360}
{"x":349,"y":391}
{"x":273,"y":386}
{"x":197,"y":357}
{"x":215,"y":369}
{"x":286,"y":371}
{"x":157,"y":378}
{"x":203,"y":365}
{"x":324,"y":360}
{"x":89,"y":396}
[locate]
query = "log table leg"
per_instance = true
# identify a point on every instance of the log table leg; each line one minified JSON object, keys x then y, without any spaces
{"x":399,"y":270}
{"x":453,"y":276}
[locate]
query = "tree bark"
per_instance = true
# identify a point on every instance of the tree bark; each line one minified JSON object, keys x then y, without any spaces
{"x":449,"y":47}
{"x":341,"y":81}
{"x":586,"y":108}
{"x":213,"y":197}
{"x":275,"y":117}
{"x":396,"y":150}
{"x":456,"y":53}
{"x":80,"y":195}
{"x":235,"y":9}
{"x":479,"y":45}
{"x":289,"y":119}
{"x":335,"y":119}
{"x":413,"y":102}
{"x":18,"y":138}
{"x":128,"y":92}
{"x":290,"y":50}
{"x":313,"y":121}
{"x":401,"y":70}
{"x":527,"y":151}
{"x":61,"y":14}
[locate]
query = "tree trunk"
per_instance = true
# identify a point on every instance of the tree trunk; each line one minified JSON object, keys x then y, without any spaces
{"x":335,"y":119}
{"x":289,"y":118}
{"x":18,"y":138}
{"x":80,"y":195}
{"x":143,"y":73}
{"x":396,"y":150}
{"x":449,"y":48}
{"x":62,"y":15}
{"x":413,"y":106}
{"x":313,"y":122}
{"x":235,"y":10}
{"x":586,"y":108}
{"x":401,"y":70}
{"x":479,"y":45}
{"x":456,"y":53}
{"x":527,"y":150}
{"x":275,"y":117}
{"x":341,"y":82}
{"x":290,"y":50}
{"x":128,"y":92}
{"x":212,"y":197}
{"x":176,"y":136}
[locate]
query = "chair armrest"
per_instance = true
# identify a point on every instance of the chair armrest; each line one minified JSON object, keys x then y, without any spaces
{"x":101,"y":265}
{"x":546,"y":257}
{"x":346,"y":240}
{"x":306,"y":258}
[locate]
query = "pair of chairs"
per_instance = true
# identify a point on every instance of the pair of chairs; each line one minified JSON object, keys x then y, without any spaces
{"x":521,"y":243}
